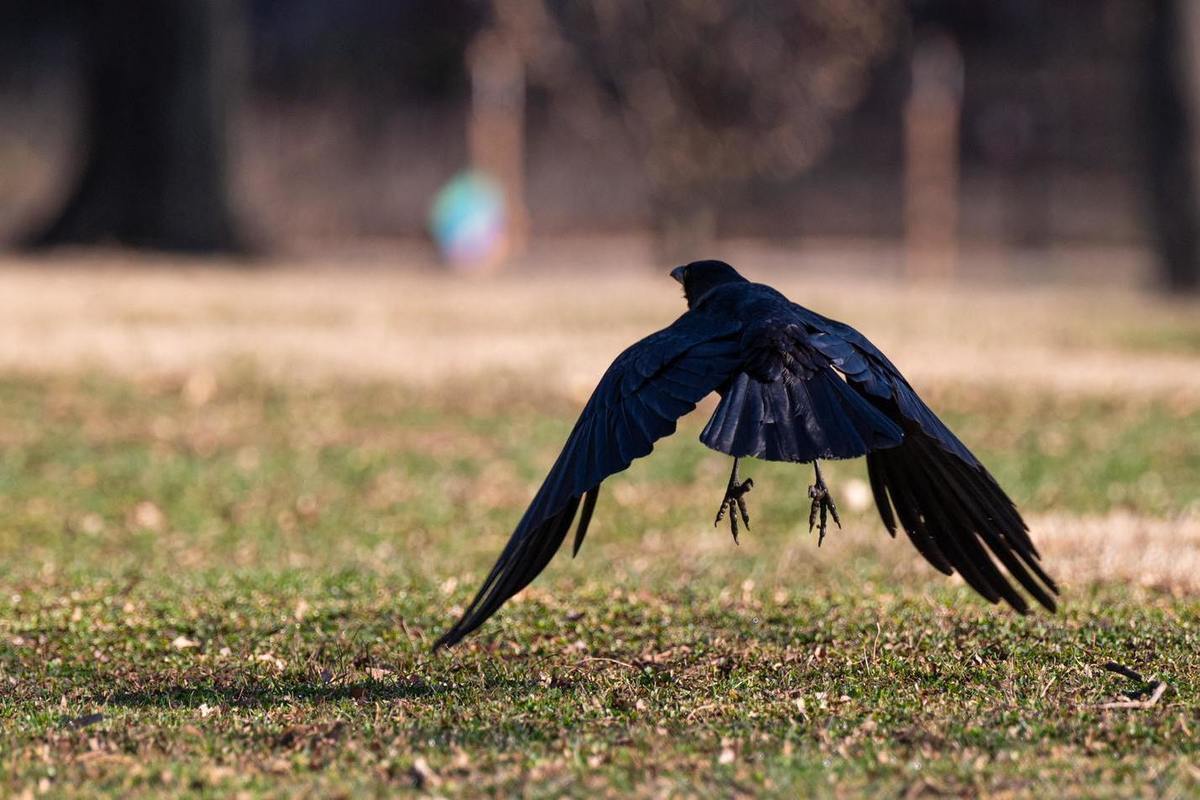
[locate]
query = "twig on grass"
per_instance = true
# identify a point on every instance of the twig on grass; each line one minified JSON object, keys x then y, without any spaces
{"x":1159,"y":689}
{"x":1156,"y":688}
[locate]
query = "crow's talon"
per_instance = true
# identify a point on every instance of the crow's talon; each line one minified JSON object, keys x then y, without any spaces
{"x":822,"y":502}
{"x":735,"y":503}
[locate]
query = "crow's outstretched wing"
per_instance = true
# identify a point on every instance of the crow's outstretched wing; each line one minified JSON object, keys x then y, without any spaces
{"x":638,"y":401}
{"x":952,"y":509}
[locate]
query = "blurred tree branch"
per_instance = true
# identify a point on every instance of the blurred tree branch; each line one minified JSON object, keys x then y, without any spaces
{"x":712,"y":93}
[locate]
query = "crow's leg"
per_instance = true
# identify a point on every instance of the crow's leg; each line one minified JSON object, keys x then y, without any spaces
{"x":734,"y":502}
{"x":822,"y":501}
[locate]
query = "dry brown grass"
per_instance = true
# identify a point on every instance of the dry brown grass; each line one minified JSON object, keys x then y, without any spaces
{"x":557,"y":321}
{"x":1157,"y":553}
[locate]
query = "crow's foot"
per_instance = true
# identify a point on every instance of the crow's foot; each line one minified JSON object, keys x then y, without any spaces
{"x":735,"y":502}
{"x":822,"y":503}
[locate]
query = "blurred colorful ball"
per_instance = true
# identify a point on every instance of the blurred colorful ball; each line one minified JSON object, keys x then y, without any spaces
{"x":469,"y":222}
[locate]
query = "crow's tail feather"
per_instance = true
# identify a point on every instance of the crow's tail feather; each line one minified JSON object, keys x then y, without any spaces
{"x":799,"y":420}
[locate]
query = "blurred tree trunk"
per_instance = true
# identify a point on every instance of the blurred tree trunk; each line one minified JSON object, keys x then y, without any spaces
{"x":1172,"y":98}
{"x":159,"y":83}
{"x":932,"y":123}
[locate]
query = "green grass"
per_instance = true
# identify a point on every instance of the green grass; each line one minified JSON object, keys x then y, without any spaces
{"x":239,"y":595}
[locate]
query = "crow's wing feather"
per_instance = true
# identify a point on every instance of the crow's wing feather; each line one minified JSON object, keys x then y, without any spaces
{"x":952,"y":509}
{"x":637,"y":402}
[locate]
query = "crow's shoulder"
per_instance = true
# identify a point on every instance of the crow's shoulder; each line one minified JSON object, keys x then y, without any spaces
{"x":743,"y":301}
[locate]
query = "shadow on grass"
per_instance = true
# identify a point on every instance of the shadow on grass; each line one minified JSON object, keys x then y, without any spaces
{"x":265,"y":694}
{"x":242,"y":692}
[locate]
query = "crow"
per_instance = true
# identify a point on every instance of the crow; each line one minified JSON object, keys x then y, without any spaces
{"x":794,"y":386}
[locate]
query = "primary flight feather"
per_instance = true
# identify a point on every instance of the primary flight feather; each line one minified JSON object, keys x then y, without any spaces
{"x":794,"y":386}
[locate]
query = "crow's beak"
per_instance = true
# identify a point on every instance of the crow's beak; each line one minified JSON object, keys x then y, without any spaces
{"x":677,"y":274}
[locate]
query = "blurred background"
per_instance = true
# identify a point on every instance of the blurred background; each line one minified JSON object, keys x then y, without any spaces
{"x":951,"y":136}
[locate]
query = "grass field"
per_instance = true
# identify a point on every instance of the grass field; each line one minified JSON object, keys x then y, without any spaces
{"x":220,"y":578}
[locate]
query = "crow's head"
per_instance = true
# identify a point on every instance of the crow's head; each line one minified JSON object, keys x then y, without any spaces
{"x":700,"y":277}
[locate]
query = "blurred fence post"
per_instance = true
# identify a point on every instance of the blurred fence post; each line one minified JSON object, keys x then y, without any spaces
{"x":931,"y":127}
{"x":496,"y":129}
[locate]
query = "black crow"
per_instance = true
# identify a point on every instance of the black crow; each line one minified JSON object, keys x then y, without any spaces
{"x":794,"y":386}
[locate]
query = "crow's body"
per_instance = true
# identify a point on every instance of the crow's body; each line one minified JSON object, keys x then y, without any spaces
{"x":794,"y":386}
